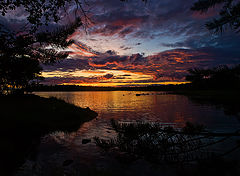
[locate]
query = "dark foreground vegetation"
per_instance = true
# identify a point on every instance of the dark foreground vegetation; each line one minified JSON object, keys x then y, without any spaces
{"x":165,"y":144}
{"x":192,"y":147}
{"x":25,"y":118}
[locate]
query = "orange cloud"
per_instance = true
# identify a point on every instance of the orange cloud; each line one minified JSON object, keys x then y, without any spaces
{"x":167,"y":66}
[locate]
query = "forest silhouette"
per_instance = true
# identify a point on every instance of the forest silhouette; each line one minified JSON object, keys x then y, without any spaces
{"x":221,"y":77}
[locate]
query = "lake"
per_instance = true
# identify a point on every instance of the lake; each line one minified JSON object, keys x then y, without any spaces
{"x":149,"y":106}
{"x":125,"y":106}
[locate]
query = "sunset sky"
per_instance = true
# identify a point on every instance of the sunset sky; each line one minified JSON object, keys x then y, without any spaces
{"x":135,"y":44}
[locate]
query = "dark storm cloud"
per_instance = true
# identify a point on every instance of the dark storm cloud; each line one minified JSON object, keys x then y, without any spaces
{"x":120,"y":22}
{"x":125,"y":47}
{"x":78,"y":79}
{"x":125,"y":75}
{"x":67,"y":65}
{"x":229,"y":41}
{"x":152,"y":20}
{"x":108,"y":76}
{"x":111,"y":52}
{"x":156,"y":18}
{"x":224,"y":48}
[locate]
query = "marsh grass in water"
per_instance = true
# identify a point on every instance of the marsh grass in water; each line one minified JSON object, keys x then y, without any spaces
{"x":164,"y":144}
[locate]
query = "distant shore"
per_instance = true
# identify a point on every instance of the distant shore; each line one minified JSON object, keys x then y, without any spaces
{"x":188,"y":87}
{"x":66,"y":88}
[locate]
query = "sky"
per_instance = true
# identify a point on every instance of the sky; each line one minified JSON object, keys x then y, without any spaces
{"x":136,"y":44}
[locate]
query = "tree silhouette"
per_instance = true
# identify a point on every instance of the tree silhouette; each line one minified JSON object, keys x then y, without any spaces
{"x":21,"y":53}
{"x":43,"y":12}
{"x":229,"y":14}
{"x":17,"y":72}
{"x":218,"y":77}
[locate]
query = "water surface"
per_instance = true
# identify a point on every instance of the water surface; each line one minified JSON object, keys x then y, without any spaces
{"x":125,"y":106}
{"x":153,"y":106}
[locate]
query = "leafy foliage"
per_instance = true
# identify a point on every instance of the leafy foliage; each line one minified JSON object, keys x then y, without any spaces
{"x":17,"y":72}
{"x":42,"y":12}
{"x":22,"y":53}
{"x":229,"y":14}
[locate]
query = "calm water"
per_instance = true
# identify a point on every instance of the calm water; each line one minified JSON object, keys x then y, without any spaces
{"x":154,"y":107}
{"x":124,"y":106}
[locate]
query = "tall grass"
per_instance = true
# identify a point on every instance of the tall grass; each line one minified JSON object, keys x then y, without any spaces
{"x":160,"y":144}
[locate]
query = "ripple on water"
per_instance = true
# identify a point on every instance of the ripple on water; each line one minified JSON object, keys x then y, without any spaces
{"x":155,"y":107}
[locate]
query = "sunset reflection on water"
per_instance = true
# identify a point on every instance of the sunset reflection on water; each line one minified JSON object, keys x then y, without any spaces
{"x":149,"y":106}
{"x":124,"y":106}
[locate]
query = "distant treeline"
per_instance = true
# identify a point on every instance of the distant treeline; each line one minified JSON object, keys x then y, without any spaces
{"x":90,"y":88}
{"x":221,"y":77}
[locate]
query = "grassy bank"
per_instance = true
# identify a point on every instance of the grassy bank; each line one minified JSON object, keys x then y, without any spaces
{"x":24,"y":119}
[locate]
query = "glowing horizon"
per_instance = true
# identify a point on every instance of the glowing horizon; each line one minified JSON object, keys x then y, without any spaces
{"x":125,"y":84}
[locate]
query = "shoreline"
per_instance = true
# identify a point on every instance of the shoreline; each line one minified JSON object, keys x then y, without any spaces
{"x":26,"y":118}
